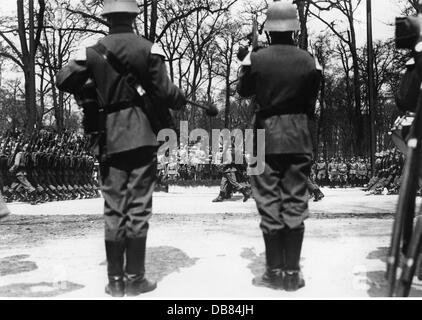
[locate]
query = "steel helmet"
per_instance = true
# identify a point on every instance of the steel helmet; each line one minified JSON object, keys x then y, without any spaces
{"x":282,"y":16}
{"x":120,"y":6}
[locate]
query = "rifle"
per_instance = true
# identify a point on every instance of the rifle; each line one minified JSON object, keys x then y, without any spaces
{"x":254,"y":40}
{"x":403,"y":231}
{"x":252,"y":37}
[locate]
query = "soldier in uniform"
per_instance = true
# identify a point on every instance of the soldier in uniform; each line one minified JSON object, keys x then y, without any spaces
{"x":4,"y":211}
{"x":128,"y":164}
{"x":377,"y":172}
{"x":361,"y":172}
{"x":3,"y":167}
{"x":399,"y":163}
{"x":342,"y":169}
{"x":333,"y":174}
{"x":353,"y":171}
{"x":21,"y":176}
{"x":321,"y":168}
{"x":229,"y":182}
{"x":368,"y":169}
{"x":286,"y":97}
{"x":388,"y":173}
{"x":46,"y":160}
{"x":162,"y":181}
{"x":34,"y":176}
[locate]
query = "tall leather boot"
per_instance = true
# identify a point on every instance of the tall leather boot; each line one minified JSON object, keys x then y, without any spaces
{"x":33,"y":198}
{"x":136,"y":283}
{"x":115,"y":260}
{"x":292,"y":242}
{"x":220,"y":198}
{"x":44,"y":196}
{"x":7,"y":196}
{"x":318,"y":195}
{"x":247,"y":192}
{"x":273,"y":276}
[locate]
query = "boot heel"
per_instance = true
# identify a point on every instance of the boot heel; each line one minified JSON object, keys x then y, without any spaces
{"x":272,"y":279}
{"x":293,"y":281}
{"x":114,"y":252}
{"x":115,"y":288}
{"x":136,"y":283}
{"x":139,"y":286}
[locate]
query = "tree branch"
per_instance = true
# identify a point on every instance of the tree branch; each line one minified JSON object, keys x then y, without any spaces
{"x":11,"y":57}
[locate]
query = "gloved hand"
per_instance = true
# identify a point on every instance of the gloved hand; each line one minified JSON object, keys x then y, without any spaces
{"x":242,"y":53}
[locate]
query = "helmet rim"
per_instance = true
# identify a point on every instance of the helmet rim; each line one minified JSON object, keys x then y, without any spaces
{"x":120,"y":6}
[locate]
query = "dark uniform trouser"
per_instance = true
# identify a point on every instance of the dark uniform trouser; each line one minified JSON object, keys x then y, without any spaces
{"x":321,"y":176}
{"x":281,"y":192}
{"x":22,"y":181}
{"x":127,"y":183}
{"x":229,"y":182}
{"x":373,"y":181}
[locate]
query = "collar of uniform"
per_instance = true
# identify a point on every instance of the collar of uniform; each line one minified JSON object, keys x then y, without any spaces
{"x":121,"y":29}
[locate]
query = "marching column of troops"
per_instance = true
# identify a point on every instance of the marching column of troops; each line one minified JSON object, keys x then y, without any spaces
{"x":356,"y":172}
{"x":45,"y":168}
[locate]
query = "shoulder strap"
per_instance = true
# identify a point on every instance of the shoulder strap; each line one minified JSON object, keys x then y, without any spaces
{"x":119,"y":67}
{"x":132,"y":82}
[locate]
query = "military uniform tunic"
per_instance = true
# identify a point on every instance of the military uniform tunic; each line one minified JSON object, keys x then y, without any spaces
{"x":285,"y":82}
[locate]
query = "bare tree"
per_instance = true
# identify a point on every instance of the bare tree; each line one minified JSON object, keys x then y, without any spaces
{"x":61,"y":34}
{"x":24,"y":55}
{"x":229,"y":39}
{"x":303,"y":7}
{"x":347,"y":9}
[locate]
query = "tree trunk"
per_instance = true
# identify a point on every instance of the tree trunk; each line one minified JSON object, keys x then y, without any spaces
{"x":227,"y":103}
{"x":303,"y":18}
{"x":154,"y":18}
{"x":146,"y":34}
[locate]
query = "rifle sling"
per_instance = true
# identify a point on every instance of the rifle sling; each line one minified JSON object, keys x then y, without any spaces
{"x":128,"y":77}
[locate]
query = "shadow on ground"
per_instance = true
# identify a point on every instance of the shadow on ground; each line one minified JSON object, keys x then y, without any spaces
{"x":380,"y":253}
{"x":38,"y":290}
{"x":164,"y":260}
{"x":16,"y":264}
{"x":19,"y":264}
{"x":378,"y":286}
{"x":257,"y":264}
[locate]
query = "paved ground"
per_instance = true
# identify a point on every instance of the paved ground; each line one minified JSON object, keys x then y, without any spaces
{"x":197,"y":201}
{"x":197,"y":249}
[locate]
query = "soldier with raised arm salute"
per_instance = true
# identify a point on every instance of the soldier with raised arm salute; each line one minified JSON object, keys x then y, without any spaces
{"x":285,"y":82}
{"x":128,"y":145}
